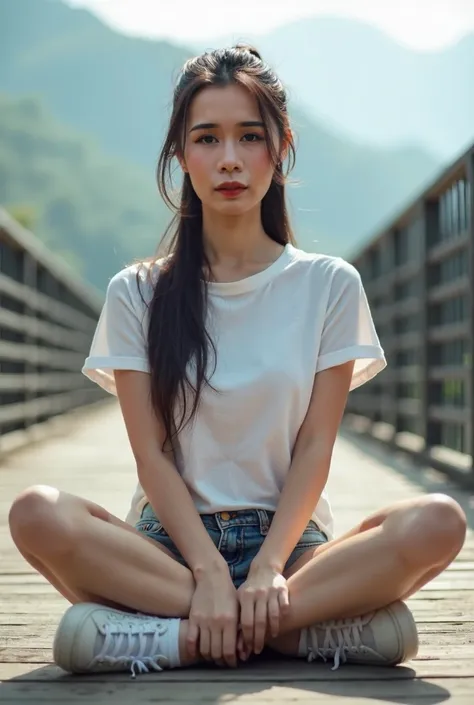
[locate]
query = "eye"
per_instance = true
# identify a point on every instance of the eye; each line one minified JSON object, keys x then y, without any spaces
{"x":203,"y":139}
{"x":254,"y":137}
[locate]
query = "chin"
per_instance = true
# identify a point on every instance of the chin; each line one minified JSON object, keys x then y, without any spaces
{"x":228,"y":208}
{"x":233,"y":209}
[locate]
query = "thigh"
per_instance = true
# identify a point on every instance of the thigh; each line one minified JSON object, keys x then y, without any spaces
{"x":165,"y":547}
{"x":311,"y":540}
{"x":151,"y":529}
{"x":393,"y":512}
{"x":42,"y":511}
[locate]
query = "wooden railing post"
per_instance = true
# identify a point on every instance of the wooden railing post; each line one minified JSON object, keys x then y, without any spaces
{"x":47,"y":319}
{"x":425,"y":398}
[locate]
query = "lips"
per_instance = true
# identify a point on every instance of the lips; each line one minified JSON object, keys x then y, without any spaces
{"x":231,"y":186}
{"x":231,"y":189}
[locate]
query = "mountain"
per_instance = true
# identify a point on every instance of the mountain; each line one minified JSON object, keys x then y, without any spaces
{"x":113,"y":87}
{"x":365,"y":84}
{"x":118,"y":89}
{"x":97,"y":211}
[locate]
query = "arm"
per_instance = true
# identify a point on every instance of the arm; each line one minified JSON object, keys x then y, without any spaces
{"x":164,"y":487}
{"x":349,"y":355}
{"x":309,"y":467}
{"x":118,"y":361}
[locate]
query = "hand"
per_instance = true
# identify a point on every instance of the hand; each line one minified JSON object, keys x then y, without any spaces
{"x":213,"y":619}
{"x":242,"y":650}
{"x":263,"y":601}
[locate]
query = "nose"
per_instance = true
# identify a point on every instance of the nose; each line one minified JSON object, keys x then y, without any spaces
{"x":230,"y":160}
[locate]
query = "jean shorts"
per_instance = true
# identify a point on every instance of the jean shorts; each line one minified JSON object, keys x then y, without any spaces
{"x":238,"y":536}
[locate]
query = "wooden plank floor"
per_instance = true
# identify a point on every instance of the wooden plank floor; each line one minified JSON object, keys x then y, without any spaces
{"x":94,"y":460}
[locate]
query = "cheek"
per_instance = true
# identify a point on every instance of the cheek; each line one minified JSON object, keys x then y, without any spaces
{"x":197,"y":164}
{"x":261,"y":165}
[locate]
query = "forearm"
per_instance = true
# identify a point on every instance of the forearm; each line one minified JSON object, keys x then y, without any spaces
{"x":170,"y":498}
{"x":305,"y":482}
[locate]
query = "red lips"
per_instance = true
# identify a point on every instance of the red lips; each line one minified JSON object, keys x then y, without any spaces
{"x":231,"y":186}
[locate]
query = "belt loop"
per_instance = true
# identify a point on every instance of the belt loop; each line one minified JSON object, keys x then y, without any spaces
{"x":264,"y":521}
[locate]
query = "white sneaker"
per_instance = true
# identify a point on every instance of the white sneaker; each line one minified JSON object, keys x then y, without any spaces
{"x":92,"y":638}
{"x":384,"y":638}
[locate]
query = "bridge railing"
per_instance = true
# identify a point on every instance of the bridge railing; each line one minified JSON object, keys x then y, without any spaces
{"x":418,"y":273}
{"x":47,"y":320}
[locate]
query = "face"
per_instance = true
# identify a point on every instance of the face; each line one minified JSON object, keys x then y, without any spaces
{"x":225,"y":143}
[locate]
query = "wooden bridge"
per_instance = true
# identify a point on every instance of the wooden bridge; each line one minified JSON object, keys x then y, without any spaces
{"x":418,"y":275}
{"x":88,"y":454}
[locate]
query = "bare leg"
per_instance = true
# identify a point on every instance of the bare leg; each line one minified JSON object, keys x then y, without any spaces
{"x":389,"y":556}
{"x":87,"y":554}
{"x":73,"y":597}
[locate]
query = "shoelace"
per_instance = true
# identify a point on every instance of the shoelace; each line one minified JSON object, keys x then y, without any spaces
{"x":115,"y":651}
{"x":340,"y":636}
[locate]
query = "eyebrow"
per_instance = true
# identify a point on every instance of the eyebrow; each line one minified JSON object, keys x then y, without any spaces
{"x":213,"y":125}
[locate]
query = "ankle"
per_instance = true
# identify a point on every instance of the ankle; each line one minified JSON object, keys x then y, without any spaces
{"x":184,"y":656}
{"x":287,"y":644}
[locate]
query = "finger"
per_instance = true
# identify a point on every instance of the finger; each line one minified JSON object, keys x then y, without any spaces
{"x":229,"y":645}
{"x":205,"y":644}
{"x":260,"y":624}
{"x":274,"y":614}
{"x":240,"y":645}
{"x":241,"y":648}
{"x":192,"y":639}
{"x":216,"y":643}
{"x":247,"y":609}
{"x":284,"y":600}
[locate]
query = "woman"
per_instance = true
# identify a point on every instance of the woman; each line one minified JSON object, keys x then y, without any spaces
{"x":232,"y":358}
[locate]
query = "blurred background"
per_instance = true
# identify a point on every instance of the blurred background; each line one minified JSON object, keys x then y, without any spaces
{"x":382,"y":96}
{"x":382,"y":104}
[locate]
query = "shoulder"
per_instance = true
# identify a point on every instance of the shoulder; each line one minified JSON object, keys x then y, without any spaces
{"x":326,"y":270}
{"x":135,"y":282}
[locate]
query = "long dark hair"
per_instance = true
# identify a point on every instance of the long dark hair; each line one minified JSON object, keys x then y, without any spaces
{"x":177,"y":334}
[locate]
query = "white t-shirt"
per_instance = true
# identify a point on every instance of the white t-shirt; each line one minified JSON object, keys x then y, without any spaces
{"x":273,"y":332}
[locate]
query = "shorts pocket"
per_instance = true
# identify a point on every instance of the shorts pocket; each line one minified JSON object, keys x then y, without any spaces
{"x":150,"y":527}
{"x":145,"y":526}
{"x":312,"y":536}
{"x":149,"y":523}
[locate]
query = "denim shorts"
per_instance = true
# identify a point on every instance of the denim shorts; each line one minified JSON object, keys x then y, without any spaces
{"x":238,"y":535}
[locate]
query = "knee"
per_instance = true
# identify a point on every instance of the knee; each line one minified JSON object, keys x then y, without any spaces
{"x":439,"y":529}
{"x":34,"y":517}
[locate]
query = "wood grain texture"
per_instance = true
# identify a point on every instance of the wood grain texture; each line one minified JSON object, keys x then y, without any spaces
{"x":94,"y":460}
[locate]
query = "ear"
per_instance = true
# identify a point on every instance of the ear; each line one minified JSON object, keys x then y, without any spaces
{"x":285,"y":146}
{"x":182,"y":164}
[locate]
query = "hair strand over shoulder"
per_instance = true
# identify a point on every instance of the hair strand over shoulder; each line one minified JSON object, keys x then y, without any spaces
{"x":179,"y":345}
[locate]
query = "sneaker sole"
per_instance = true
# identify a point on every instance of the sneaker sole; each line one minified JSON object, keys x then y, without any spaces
{"x":67,"y":635}
{"x":406,"y":628}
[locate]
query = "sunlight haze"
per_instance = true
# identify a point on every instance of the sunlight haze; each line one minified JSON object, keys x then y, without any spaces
{"x":420,"y":24}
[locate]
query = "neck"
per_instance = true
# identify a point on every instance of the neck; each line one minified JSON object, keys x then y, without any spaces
{"x":236,"y":240}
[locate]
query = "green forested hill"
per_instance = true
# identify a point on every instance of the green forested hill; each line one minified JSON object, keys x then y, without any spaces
{"x":94,"y":179}
{"x":96,"y":209}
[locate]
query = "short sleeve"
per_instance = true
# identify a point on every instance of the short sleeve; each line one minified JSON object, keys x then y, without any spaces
{"x":119,"y":341}
{"x":349,"y":331}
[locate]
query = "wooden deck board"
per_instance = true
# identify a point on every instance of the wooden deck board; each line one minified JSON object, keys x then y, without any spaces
{"x":251,"y":692}
{"x":95,"y":461}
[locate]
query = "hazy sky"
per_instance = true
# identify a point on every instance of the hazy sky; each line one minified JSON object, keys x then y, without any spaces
{"x":422,"y":24}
